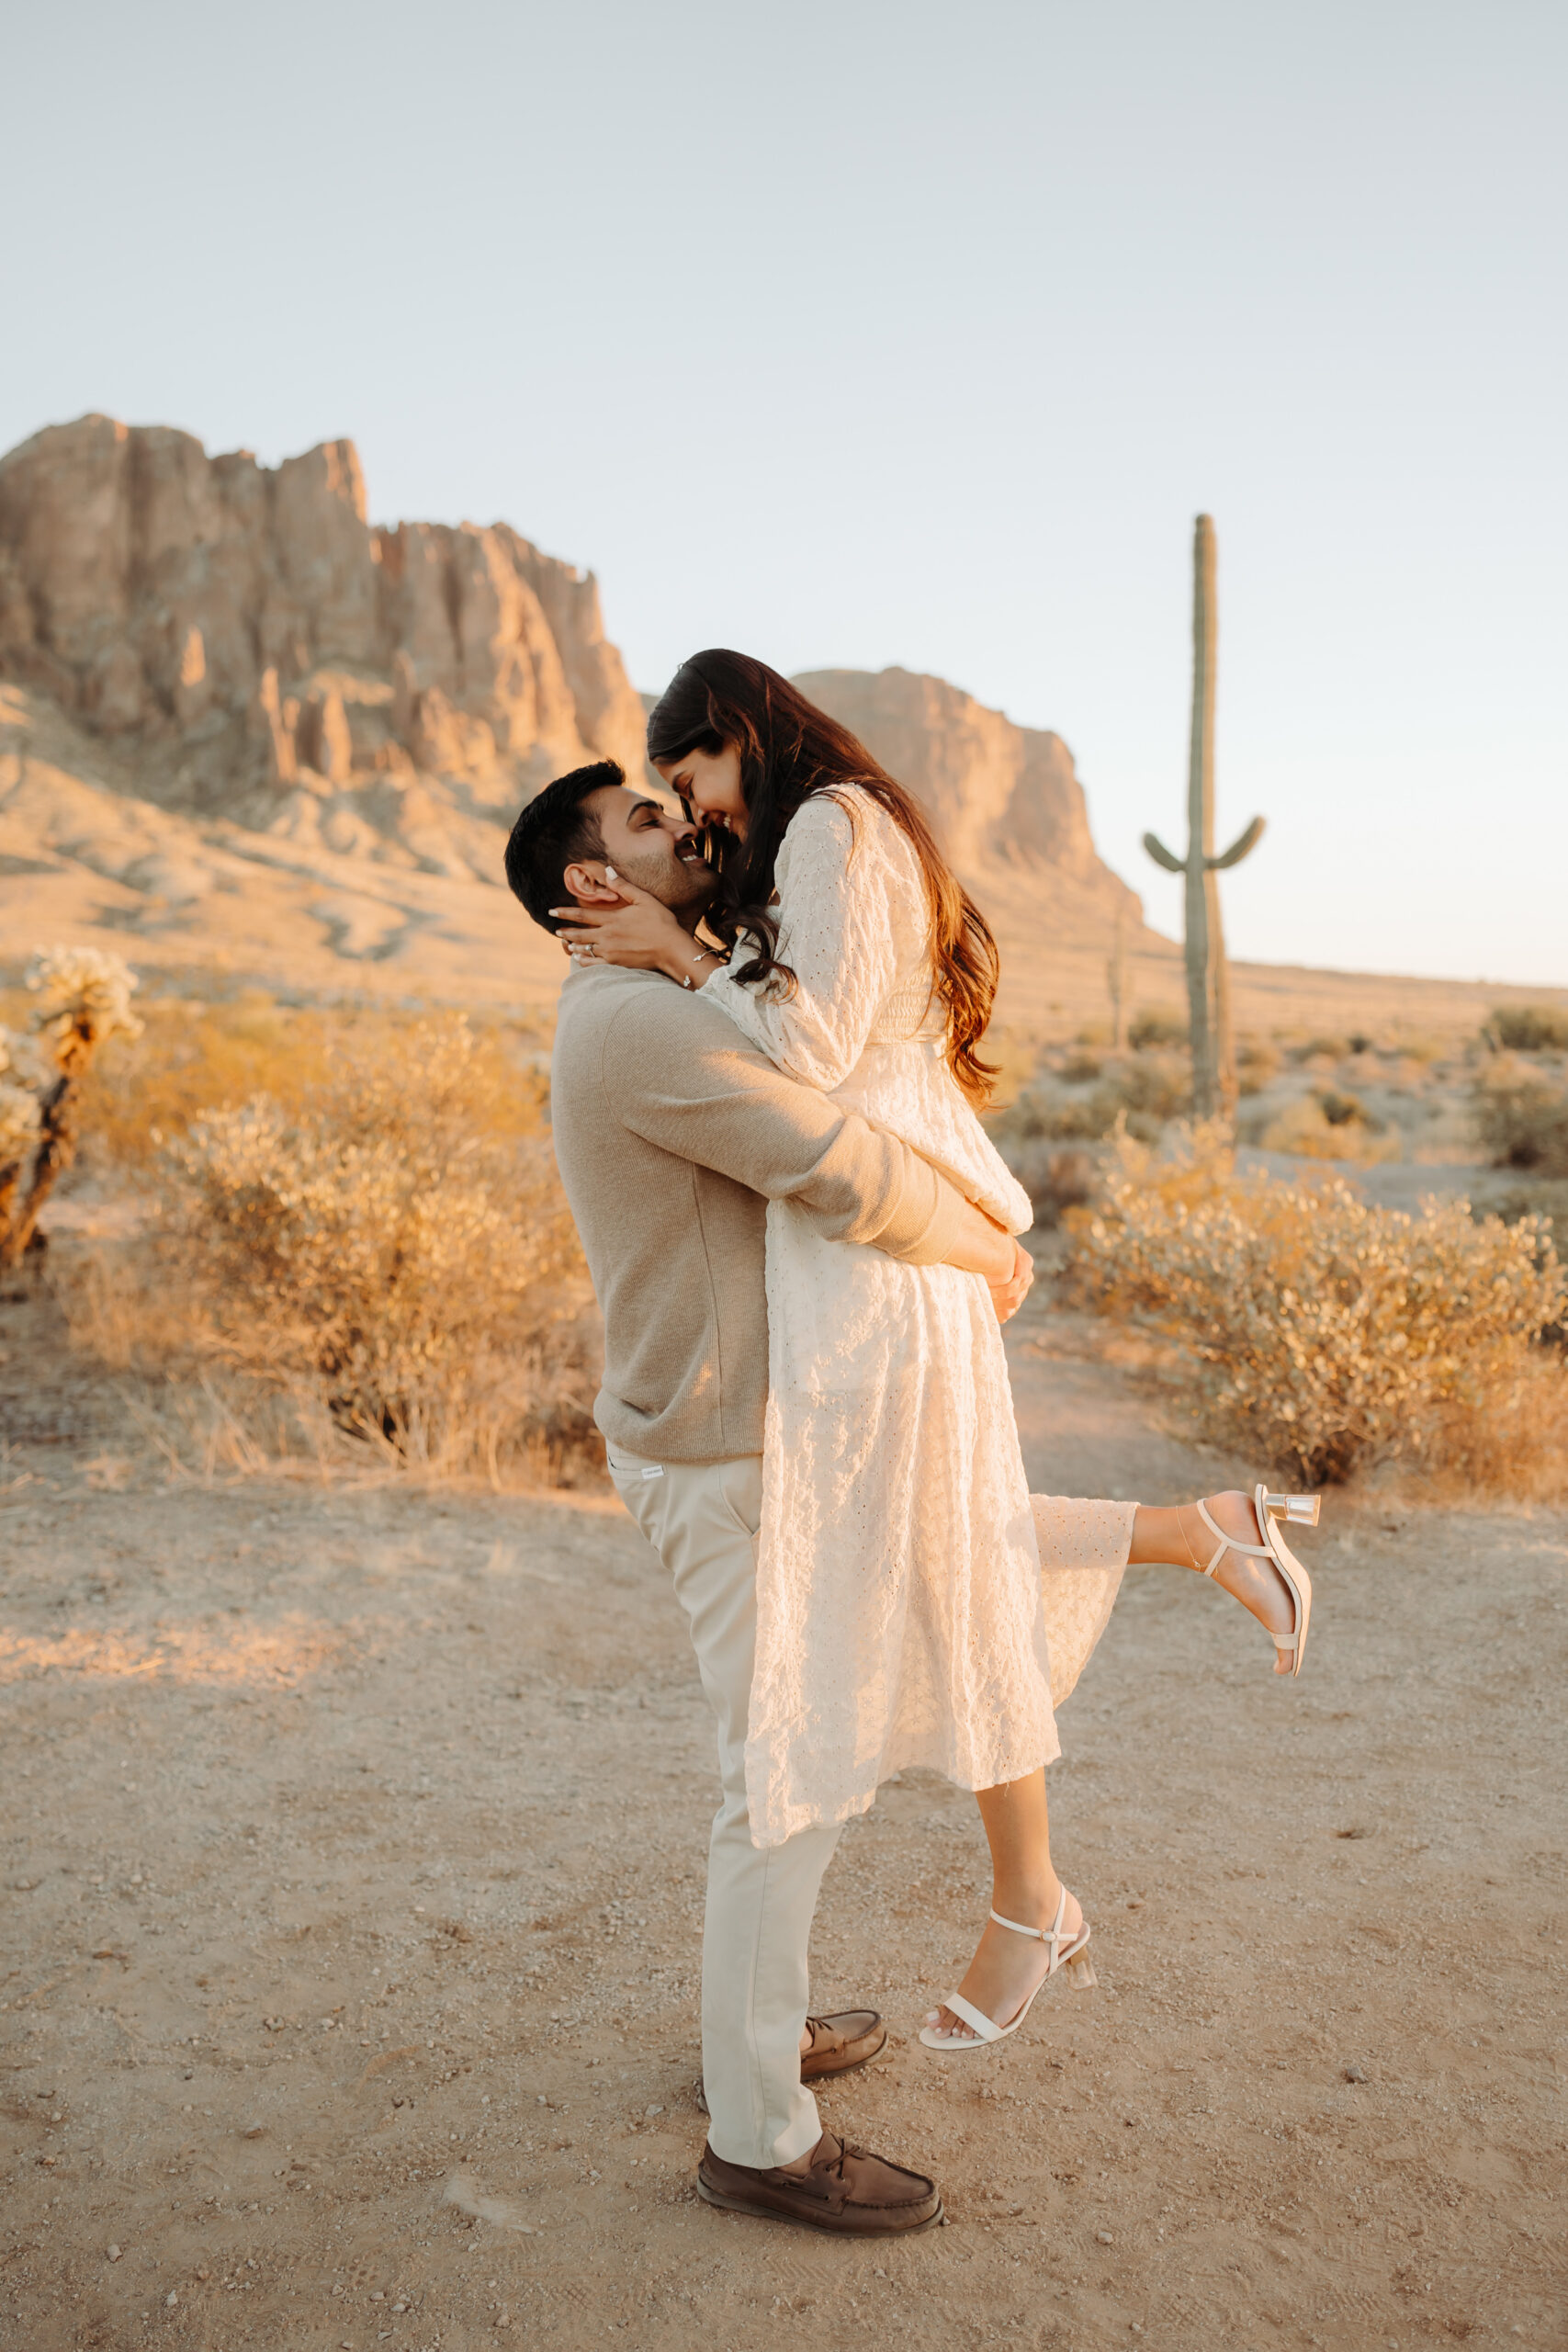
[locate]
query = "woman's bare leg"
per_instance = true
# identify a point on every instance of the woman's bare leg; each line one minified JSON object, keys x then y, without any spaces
{"x":1024,"y":1886}
{"x":1006,"y":1968}
{"x":1174,"y":1534}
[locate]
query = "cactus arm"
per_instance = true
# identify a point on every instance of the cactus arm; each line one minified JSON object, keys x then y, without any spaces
{"x":1162,"y":856}
{"x":1239,"y":848}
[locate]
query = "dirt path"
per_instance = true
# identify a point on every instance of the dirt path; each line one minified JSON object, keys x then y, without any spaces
{"x":352,"y":1874}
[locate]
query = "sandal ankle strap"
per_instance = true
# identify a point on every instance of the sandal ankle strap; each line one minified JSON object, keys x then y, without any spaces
{"x":1228,"y":1542}
{"x":1051,"y":1936}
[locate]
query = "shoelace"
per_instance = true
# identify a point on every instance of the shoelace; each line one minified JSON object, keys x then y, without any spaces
{"x":847,"y":2148}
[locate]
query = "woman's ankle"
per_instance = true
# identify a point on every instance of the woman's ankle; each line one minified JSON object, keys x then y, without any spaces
{"x":1032,"y":1900}
{"x":1160,"y":1537}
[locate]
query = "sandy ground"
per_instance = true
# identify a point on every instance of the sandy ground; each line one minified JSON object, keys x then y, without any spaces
{"x":352,"y":1859}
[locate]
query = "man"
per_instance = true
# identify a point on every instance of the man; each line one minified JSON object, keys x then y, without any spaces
{"x":671,"y":1135}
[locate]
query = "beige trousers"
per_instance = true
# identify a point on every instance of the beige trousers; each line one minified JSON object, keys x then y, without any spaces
{"x":702,"y":1520}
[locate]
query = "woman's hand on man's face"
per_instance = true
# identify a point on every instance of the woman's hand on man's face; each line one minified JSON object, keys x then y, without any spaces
{"x":640,"y":932}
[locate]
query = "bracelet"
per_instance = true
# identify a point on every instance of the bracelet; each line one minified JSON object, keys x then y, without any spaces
{"x":697,"y":958}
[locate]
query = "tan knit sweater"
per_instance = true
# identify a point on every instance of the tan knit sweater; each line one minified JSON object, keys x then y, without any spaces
{"x":672,"y":1135}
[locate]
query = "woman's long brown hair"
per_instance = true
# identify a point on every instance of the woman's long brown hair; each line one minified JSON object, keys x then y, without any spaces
{"x":789,"y":750}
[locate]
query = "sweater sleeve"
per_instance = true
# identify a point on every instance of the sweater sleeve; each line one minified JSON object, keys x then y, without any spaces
{"x":836,"y":933}
{"x":674,"y":1072}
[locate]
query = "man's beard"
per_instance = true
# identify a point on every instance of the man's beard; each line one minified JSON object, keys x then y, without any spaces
{"x":676,"y":882}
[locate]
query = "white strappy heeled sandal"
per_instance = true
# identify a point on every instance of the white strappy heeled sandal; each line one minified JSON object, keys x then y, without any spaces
{"x":1074,"y":1959}
{"x":1302,"y":1511}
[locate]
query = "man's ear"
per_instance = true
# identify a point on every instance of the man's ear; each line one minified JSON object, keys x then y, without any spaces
{"x":586,"y":882}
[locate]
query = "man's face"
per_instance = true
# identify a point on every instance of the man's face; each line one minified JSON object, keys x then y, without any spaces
{"x":662,"y":853}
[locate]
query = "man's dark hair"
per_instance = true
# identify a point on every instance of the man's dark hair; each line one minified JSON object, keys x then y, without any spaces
{"x":552,"y":833}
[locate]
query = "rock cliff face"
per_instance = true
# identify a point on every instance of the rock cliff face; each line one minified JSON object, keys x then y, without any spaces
{"x":251,"y":624}
{"x":1002,"y":797}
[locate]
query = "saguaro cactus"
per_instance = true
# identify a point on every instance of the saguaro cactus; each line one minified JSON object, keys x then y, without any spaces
{"x":1116,"y":982}
{"x":1208,"y":981}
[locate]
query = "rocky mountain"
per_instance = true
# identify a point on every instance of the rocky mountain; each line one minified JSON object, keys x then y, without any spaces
{"x":254,"y":732}
{"x":248,"y":627}
{"x":1002,"y":797}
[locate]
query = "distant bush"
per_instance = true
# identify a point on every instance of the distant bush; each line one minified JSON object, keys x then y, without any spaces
{"x":1521,"y":1114}
{"x":385,"y":1256}
{"x":1141,"y":1091}
{"x":1529,"y":1028}
{"x":1329,"y":1335}
{"x":1257,"y":1062}
{"x":1055,"y":1179}
{"x":1329,"y":1125}
{"x":1156,"y":1029}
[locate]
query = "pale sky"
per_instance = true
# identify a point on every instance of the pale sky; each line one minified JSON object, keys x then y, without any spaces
{"x":859,"y":331}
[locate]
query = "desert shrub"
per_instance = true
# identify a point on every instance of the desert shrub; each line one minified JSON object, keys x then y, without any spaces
{"x":1521,"y":1116}
{"x":1051,"y":1112}
{"x":1150,"y":1088}
{"x":1329,"y":1335}
{"x":1055,"y":1179}
{"x":1257,"y":1062}
{"x":1529,"y":1028}
{"x":1139,"y":1090}
{"x":385,"y":1254}
{"x":1156,"y":1029}
{"x":1328,"y":1125}
{"x":1546,"y":1197}
{"x":1323,"y":1047}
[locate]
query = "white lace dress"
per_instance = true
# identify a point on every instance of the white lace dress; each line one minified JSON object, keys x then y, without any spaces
{"x":900,"y":1617}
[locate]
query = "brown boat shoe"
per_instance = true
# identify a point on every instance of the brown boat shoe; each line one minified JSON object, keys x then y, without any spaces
{"x":845,"y":2189}
{"x":847,"y":2038}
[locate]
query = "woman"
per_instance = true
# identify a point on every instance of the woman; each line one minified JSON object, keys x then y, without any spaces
{"x":899,"y":1611}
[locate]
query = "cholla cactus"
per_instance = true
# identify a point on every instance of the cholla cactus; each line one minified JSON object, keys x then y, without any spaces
{"x":83,"y":998}
{"x":20,"y":1118}
{"x":21,"y":1064}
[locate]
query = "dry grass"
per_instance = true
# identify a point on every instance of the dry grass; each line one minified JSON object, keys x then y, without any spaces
{"x":1329,"y":1335}
{"x":382,"y":1269}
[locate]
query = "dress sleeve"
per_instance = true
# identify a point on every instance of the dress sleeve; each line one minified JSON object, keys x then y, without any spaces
{"x":836,"y":933}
